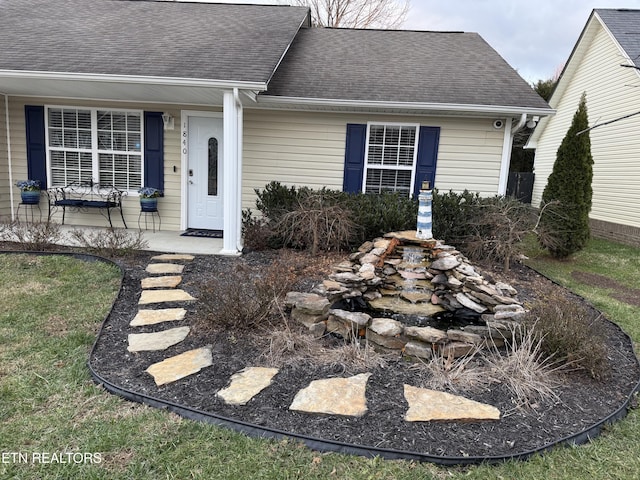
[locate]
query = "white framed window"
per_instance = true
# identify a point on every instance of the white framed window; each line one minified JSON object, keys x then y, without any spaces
{"x":390,"y":158}
{"x":92,"y":144}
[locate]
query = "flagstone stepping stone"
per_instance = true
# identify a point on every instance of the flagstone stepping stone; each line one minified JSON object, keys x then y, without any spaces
{"x":173,"y":257}
{"x":180,"y":366}
{"x":159,"y":296}
{"x":246,"y":384}
{"x":427,"y":405}
{"x":164,"y":268}
{"x":139,"y":342}
{"x":151,"y":317}
{"x":335,"y":396}
{"x":167,"y":281}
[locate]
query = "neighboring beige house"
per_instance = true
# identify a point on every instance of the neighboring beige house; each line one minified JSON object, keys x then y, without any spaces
{"x":599,"y":66}
{"x":210,"y":101}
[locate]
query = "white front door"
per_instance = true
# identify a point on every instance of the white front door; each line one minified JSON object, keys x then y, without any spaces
{"x":204,"y":173}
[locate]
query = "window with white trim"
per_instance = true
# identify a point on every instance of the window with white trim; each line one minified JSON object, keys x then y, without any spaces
{"x":104,"y":146}
{"x":390,"y":158}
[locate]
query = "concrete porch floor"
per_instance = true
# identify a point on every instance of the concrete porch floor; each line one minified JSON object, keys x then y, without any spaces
{"x":159,"y":241}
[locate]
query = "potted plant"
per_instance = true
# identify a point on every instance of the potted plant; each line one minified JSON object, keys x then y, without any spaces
{"x":149,"y":199}
{"x":29,"y":191}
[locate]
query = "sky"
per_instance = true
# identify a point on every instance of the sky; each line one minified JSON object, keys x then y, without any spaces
{"x":535,"y":37}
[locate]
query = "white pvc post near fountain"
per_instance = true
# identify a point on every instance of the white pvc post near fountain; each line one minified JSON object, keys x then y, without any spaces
{"x":425,"y":199}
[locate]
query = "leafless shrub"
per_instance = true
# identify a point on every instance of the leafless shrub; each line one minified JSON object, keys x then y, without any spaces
{"x":246,"y":298}
{"x":527,"y":372}
{"x":32,"y":235}
{"x":499,"y":226}
{"x":111,"y":242}
{"x":570,"y":332}
{"x":317,"y":223}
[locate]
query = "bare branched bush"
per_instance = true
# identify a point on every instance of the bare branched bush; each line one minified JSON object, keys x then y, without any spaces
{"x":527,"y":372}
{"x":317,"y":223}
{"x":498,"y":227}
{"x":32,"y":235}
{"x":256,"y":232}
{"x":570,"y":332}
{"x":244,"y":299}
{"x":111,"y":242}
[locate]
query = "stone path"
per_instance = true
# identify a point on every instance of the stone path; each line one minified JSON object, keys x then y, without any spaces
{"x":332,"y":396}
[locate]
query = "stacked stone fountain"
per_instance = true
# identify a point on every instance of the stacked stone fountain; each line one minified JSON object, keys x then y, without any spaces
{"x":406,"y":293}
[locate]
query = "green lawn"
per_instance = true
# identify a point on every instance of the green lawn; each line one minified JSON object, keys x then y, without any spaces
{"x":49,"y":406}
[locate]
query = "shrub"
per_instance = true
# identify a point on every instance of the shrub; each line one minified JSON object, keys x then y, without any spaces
{"x":110,"y":243}
{"x":318,"y":222}
{"x":276,"y":200}
{"x":240,"y":300}
{"x":497,"y":229}
{"x":256,"y":232}
{"x":452,"y":214}
{"x":32,"y":236}
{"x":378,"y":214}
{"x":570,"y":332}
{"x":370,"y":216}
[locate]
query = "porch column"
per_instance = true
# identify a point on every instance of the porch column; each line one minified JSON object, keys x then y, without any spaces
{"x":232,"y":173}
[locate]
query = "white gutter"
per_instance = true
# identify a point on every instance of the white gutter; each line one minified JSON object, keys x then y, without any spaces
{"x":449,"y":107}
{"x":518,"y":126}
{"x":9,"y":162}
{"x":507,"y":143}
{"x":134,"y":79}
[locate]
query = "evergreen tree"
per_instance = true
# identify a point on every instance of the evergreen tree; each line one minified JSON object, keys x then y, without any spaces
{"x":566,"y":199}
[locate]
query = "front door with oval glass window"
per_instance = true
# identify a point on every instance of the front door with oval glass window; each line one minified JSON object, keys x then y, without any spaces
{"x":204,"y":176}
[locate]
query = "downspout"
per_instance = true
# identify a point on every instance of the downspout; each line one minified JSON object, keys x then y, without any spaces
{"x":509,"y":131}
{"x":9,"y":162}
{"x":240,"y":132}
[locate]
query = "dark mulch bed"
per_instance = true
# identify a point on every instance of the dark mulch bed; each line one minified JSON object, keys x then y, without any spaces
{"x":583,"y":400}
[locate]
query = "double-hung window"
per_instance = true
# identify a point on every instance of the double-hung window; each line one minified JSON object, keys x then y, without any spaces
{"x":95,"y":145}
{"x":390,"y":158}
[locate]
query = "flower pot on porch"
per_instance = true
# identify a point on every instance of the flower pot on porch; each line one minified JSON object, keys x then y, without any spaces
{"x":30,"y":197}
{"x":148,"y":204}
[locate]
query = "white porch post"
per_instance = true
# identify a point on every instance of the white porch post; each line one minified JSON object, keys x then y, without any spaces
{"x":231,"y":177}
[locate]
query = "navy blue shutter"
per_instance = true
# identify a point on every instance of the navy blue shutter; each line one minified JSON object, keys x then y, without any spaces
{"x":153,"y":150}
{"x":36,"y":148}
{"x":354,"y":157}
{"x":427,"y":157}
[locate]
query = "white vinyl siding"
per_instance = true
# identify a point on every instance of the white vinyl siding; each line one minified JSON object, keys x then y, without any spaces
{"x":612,"y":92}
{"x":98,"y":145}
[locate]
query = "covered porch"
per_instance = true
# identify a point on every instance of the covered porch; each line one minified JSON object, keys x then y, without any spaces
{"x":175,"y":155}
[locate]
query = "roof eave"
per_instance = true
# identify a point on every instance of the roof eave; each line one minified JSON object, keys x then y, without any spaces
{"x":418,"y":107}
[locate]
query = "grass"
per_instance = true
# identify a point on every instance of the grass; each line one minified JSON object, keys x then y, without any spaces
{"x":49,"y":404}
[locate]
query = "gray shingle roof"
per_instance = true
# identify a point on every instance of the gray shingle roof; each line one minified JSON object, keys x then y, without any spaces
{"x":148,"y":38}
{"x":399,"y":66}
{"x":624,"y":25}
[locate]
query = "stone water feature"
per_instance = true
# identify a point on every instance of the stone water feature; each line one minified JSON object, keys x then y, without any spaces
{"x":410,"y":294}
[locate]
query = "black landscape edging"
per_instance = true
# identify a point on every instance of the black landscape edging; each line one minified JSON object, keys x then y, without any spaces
{"x":317,"y":443}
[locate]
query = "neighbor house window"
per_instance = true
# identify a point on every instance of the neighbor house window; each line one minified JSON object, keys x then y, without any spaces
{"x":391,"y":152}
{"x":103,"y":146}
